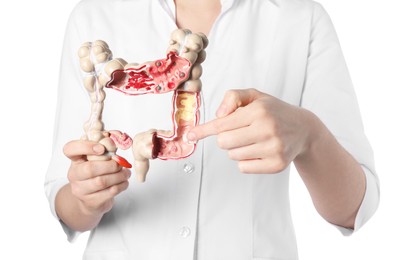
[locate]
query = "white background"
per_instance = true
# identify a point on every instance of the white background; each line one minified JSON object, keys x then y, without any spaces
{"x":379,"y":41}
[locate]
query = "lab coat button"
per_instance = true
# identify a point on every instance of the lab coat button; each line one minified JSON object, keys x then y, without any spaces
{"x":185,"y":232}
{"x":188,"y":168}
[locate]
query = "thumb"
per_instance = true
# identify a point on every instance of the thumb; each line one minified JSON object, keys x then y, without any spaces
{"x":236,"y":98}
{"x":76,"y":150}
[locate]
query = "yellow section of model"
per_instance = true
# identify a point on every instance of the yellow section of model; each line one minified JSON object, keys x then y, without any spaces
{"x":186,"y":109}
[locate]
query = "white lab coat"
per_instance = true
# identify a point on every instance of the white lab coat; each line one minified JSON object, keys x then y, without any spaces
{"x":202,"y":207}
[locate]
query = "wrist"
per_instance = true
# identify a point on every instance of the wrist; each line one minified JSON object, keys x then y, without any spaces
{"x":91,"y":211}
{"x":314,"y":134}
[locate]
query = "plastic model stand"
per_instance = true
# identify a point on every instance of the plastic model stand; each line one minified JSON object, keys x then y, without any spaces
{"x":179,"y":73}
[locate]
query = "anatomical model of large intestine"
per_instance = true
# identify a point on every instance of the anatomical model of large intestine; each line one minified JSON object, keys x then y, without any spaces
{"x":179,"y":72}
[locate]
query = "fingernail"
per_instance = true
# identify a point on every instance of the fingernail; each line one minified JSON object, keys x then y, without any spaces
{"x":222,"y":111}
{"x":98,"y":149}
{"x":191,"y":137}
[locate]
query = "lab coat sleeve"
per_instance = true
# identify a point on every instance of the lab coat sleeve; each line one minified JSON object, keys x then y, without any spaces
{"x":71,"y":112}
{"x":328,"y":92}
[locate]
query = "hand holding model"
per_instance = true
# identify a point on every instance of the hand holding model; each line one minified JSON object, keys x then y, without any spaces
{"x":94,"y":183}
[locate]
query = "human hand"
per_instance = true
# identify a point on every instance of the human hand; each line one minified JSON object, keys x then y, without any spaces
{"x":94,"y":183}
{"x":261,"y":132}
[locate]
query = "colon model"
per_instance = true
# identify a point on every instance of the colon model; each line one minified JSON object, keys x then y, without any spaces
{"x":179,"y":73}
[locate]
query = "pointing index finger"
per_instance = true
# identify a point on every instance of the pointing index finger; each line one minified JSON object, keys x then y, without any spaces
{"x":203,"y":131}
{"x":233,"y":121}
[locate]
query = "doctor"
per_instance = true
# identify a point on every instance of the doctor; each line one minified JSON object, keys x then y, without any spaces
{"x":276,"y":91}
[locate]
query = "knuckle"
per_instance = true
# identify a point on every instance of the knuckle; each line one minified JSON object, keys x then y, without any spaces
{"x":116,"y":189}
{"x":279,"y":165}
{"x":221,"y":141}
{"x":262,"y":111}
{"x":71,"y":174}
{"x":76,"y":191}
{"x":233,"y":96}
{"x":243,"y":168}
{"x":90,"y":203}
{"x":106,"y":205}
{"x":100,"y":182}
{"x":127,"y":174}
{"x":113,"y":166}
{"x":276,"y":145}
{"x":89,"y":168}
{"x":216,"y":124}
{"x":231,"y":93}
{"x":67,"y":148}
{"x":75,"y":173}
{"x":125,"y":186}
{"x":271,"y":131}
{"x":253,"y":91}
{"x":280,"y":161}
{"x":231,"y":155}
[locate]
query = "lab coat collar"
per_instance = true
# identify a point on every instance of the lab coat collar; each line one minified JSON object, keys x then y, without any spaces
{"x":227,"y":4}
{"x":169,"y":6}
